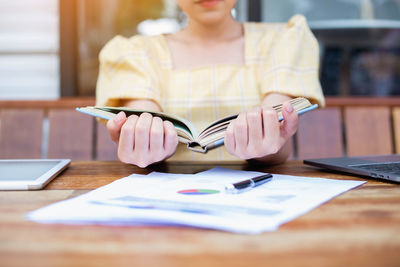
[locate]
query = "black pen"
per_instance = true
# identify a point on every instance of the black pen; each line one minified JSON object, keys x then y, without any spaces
{"x":245,"y":185}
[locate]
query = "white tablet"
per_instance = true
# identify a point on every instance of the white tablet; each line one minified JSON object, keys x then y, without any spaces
{"x":29,"y":174}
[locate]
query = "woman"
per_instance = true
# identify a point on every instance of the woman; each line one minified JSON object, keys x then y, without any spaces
{"x":212,"y":68}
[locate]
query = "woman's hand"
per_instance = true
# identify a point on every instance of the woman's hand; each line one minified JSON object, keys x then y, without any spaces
{"x":142,"y":140}
{"x":257,"y":133}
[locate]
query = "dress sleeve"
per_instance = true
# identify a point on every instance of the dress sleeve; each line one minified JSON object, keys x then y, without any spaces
{"x":127,"y":71}
{"x":289,"y":59}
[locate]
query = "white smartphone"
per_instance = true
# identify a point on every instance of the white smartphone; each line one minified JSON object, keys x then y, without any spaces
{"x":29,"y":174}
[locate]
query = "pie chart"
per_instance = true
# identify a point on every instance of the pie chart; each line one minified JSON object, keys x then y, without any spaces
{"x":198,"y":192}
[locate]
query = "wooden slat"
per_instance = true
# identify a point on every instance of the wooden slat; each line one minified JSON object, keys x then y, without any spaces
{"x":106,"y":149}
{"x":70,"y":135}
{"x":368,"y":131}
{"x":333,"y":101}
{"x":62,"y":103}
{"x":20,"y":133}
{"x":73,"y":102}
{"x":396,"y":128}
{"x":40,"y":72}
{"x":320,"y":134}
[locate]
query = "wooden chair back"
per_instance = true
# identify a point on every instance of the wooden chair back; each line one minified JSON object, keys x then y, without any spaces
{"x":352,"y":127}
{"x":53,"y":129}
{"x":21,"y":133}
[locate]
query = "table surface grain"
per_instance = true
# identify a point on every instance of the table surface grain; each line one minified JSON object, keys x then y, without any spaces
{"x":358,"y":228}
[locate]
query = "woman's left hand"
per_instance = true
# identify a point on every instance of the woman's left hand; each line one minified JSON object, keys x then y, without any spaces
{"x":258,"y":133}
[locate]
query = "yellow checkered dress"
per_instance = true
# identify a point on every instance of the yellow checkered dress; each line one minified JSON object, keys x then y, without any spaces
{"x":281,"y":58}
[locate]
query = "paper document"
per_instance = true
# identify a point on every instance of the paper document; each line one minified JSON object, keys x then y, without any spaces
{"x":196,"y":200}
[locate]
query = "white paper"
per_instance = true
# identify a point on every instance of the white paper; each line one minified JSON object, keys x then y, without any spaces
{"x":154,"y":199}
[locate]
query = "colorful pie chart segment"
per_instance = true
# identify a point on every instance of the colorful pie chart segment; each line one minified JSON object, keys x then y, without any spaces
{"x":198,"y":192}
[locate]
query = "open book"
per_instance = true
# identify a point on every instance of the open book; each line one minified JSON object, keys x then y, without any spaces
{"x":212,"y":136}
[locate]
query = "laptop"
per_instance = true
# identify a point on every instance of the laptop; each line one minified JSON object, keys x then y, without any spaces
{"x":386,"y":167}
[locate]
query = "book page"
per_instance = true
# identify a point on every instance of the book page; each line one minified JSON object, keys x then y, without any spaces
{"x":185,"y":129}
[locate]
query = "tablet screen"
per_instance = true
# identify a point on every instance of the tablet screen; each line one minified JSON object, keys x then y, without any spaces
{"x":25,"y":170}
{"x":29,"y":174}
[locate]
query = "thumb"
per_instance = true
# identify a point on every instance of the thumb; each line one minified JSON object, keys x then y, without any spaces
{"x":290,"y":120}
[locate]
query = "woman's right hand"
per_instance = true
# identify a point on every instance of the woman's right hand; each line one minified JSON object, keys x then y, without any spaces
{"x":142,"y":140}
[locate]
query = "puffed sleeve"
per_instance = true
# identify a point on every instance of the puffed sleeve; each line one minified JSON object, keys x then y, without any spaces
{"x":290,"y":61}
{"x":127,"y":71}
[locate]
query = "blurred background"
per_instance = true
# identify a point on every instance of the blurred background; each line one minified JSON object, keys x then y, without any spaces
{"x":49,"y":48}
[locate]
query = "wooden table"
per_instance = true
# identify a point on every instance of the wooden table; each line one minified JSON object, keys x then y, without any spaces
{"x":358,"y":228}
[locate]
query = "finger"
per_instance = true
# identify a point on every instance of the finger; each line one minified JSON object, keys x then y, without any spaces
{"x":290,"y":121}
{"x":114,"y":126}
{"x":127,"y":137}
{"x":240,"y":131}
{"x":157,"y":135}
{"x":255,"y":124}
{"x":142,"y":132}
{"x":170,"y":138}
{"x":271,"y":128}
{"x":229,"y":139}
